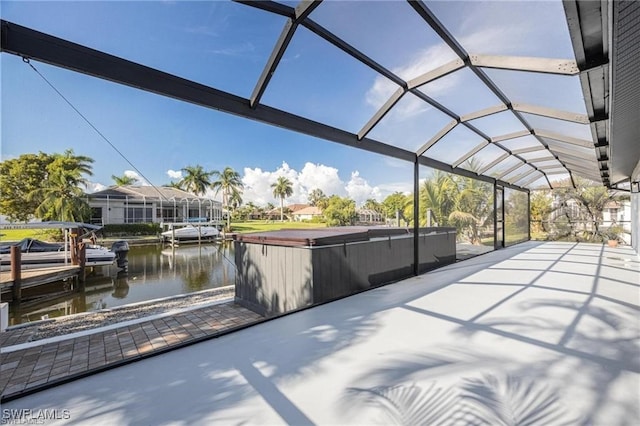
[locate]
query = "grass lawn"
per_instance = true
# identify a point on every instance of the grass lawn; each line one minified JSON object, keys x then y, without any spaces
{"x":18,"y":234}
{"x":262,"y":226}
{"x":240,"y":227}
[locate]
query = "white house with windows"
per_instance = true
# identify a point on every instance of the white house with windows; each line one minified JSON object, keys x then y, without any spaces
{"x":617,"y":213}
{"x":307,"y":213}
{"x":148,"y":204}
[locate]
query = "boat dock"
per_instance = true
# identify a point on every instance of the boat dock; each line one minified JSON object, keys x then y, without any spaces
{"x":35,"y":277}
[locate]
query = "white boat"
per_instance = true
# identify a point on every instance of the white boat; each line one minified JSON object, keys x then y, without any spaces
{"x":191,"y":233}
{"x":40,"y":254}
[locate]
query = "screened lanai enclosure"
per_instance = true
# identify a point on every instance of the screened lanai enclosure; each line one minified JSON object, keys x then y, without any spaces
{"x":497,"y":98}
{"x":467,"y":106}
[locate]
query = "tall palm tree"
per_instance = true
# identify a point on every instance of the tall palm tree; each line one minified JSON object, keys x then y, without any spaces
{"x":317,"y":198}
{"x":235,"y":200}
{"x":76,"y":165}
{"x":473,"y":207}
{"x":196,"y":180}
{"x":229,"y":182}
{"x":173,"y":184}
{"x":123,"y":180}
{"x":282,"y":188}
{"x":438,"y":194}
{"x":60,"y":197}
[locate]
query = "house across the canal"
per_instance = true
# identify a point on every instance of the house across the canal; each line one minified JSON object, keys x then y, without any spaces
{"x":148,"y":204}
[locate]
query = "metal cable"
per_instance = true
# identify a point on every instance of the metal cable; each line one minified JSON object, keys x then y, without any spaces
{"x":28,"y":62}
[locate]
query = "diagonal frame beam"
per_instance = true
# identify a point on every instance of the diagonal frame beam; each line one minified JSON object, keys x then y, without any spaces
{"x":522,"y":175}
{"x":562,"y":138}
{"x":470,"y":154}
{"x":509,"y":170}
{"x":379,"y":115}
{"x":484,"y":112}
{"x":442,"y":133}
{"x":494,"y":162}
{"x":551,"y":113}
{"x":510,"y":136}
{"x":526,"y":63}
{"x":530,"y":181}
{"x":435,"y":74}
{"x":300,"y":14}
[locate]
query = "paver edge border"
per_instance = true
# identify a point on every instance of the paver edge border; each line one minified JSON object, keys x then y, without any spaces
{"x":88,"y":332}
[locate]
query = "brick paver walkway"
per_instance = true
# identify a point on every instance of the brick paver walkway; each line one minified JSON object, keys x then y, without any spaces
{"x":28,"y":370}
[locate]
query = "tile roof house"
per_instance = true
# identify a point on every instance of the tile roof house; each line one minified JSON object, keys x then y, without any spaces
{"x":307,"y":213}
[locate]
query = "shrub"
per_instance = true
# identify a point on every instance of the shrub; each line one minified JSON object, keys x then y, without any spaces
{"x":132,"y":229}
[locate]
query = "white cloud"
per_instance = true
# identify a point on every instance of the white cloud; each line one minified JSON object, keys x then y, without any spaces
{"x":94,"y":187}
{"x":390,"y":188}
{"x":139,"y":179}
{"x":258,"y":184}
{"x":359,"y":189}
{"x":323,"y":177}
{"x":174,"y":174}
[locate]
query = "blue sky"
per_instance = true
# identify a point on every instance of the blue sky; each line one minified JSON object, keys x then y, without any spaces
{"x":226,"y":45}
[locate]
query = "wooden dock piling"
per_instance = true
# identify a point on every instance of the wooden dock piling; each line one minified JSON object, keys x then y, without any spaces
{"x":82,"y":258}
{"x":16,"y":272}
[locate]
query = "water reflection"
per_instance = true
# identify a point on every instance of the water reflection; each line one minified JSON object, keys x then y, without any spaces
{"x":154,"y":272}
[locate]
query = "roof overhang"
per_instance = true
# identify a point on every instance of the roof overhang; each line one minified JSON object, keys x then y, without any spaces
{"x":603,"y":34}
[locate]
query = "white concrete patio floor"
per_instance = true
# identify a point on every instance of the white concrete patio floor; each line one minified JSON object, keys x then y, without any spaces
{"x":540,"y":333}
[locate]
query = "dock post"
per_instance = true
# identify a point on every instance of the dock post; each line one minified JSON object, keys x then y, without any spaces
{"x":74,"y":246}
{"x":16,"y":272}
{"x":82,"y":258}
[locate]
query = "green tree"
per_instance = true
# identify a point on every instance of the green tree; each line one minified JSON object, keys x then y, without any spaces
{"x":18,"y":178}
{"x":340,"y":211}
{"x":229,"y":182}
{"x":123,"y":180}
{"x":372,"y":204}
{"x":438,"y":194}
{"x":516,"y":215}
{"x":282,"y":188}
{"x":317,"y":198}
{"x":75,"y":166}
{"x":397,"y":204}
{"x":247,"y":210}
{"x":235,"y":200}
{"x":196,"y":180}
{"x":472,"y":208}
{"x":591,"y":202}
{"x":60,"y":196}
{"x":540,"y":211}
{"x":173,"y":184}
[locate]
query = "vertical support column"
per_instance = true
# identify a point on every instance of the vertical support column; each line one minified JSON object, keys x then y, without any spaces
{"x":529,"y":216}
{"x":495,"y":216}
{"x":416,"y":217}
{"x":16,"y":272}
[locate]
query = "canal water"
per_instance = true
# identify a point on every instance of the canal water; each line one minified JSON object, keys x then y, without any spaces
{"x":155,"y":271}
